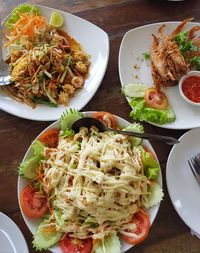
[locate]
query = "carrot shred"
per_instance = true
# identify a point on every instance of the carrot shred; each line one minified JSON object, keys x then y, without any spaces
{"x":27,"y":25}
{"x":40,"y":175}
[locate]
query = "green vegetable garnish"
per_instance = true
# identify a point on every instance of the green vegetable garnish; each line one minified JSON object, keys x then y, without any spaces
{"x":143,"y":113}
{"x":44,"y":101}
{"x":134,"y":90}
{"x":15,"y":15}
{"x":156,"y":195}
{"x":44,"y":239}
{"x":67,"y":133}
{"x":184,"y":43}
{"x":68,"y":118}
{"x":151,"y":165}
{"x":195,"y":61}
{"x":146,"y":56}
{"x":135,"y":127}
{"x":152,"y":173}
{"x":110,"y":244}
{"x":28,"y":167}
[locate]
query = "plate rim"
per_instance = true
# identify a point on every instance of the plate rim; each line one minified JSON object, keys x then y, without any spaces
{"x":91,"y":93}
{"x":165,"y":126}
{"x":156,"y":207}
{"x":20,"y":235}
{"x":167,"y":179}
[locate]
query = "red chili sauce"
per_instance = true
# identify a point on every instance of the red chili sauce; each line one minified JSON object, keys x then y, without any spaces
{"x":191,"y":88}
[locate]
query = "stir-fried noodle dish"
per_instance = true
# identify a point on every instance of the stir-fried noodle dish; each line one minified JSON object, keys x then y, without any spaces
{"x":47,"y":64}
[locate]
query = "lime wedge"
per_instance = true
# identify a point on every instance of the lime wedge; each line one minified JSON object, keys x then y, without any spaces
{"x":56,"y":19}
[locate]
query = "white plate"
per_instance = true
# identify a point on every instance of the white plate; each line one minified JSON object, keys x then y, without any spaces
{"x":183,"y":189}
{"x":136,"y":42}
{"x":32,"y":223}
{"x":94,"y":42}
{"x":11,"y":238}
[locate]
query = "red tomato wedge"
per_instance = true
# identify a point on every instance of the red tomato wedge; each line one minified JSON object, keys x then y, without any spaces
{"x":74,"y":245}
{"x":50,"y":137}
{"x":142,"y":222}
{"x":155,"y":98}
{"x":32,"y":206}
{"x":106,"y":118}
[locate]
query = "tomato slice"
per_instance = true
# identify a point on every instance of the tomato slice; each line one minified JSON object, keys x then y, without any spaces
{"x":31,"y":205}
{"x":74,"y":245}
{"x":155,"y":98}
{"x":106,"y":118}
{"x":142,"y":222}
{"x":50,"y":137}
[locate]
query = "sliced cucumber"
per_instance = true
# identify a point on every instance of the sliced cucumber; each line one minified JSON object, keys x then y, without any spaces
{"x":134,"y":90}
{"x":69,"y":117}
{"x":135,"y":127}
{"x":38,"y":148}
{"x":156,"y":195}
{"x":28,"y":167}
{"x":44,"y":240}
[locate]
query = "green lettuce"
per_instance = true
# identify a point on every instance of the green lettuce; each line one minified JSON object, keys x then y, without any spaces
{"x":109,"y":244}
{"x":143,"y":113}
{"x":151,"y":165}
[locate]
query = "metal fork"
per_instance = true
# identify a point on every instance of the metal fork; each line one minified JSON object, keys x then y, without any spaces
{"x":5,"y":78}
{"x":194,"y":164}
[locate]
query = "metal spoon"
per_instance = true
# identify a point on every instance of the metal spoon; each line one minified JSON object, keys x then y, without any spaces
{"x":5,"y":77}
{"x":89,"y":122}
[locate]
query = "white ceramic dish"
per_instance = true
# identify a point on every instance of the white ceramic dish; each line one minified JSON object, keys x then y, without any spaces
{"x":11,"y":238}
{"x":182,"y":186}
{"x":191,"y":73}
{"x":133,"y":68}
{"x":94,"y":42}
{"x":32,"y":223}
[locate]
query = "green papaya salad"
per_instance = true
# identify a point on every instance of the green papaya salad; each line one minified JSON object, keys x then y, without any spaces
{"x":90,"y":191}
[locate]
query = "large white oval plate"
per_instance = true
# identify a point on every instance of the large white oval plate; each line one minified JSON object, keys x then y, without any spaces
{"x":33,"y":223}
{"x":133,"y":68}
{"x":94,"y":42}
{"x":182,"y":186}
{"x":11,"y":238}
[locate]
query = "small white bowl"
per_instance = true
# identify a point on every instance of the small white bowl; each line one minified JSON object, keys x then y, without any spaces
{"x":190,"y":73}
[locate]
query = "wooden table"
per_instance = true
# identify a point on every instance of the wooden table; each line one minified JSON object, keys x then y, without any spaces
{"x":168,"y":234}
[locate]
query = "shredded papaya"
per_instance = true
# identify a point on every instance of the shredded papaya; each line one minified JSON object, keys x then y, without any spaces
{"x":27,"y":25}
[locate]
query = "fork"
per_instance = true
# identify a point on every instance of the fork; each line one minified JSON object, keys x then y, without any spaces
{"x":5,"y":77}
{"x":194,"y":164}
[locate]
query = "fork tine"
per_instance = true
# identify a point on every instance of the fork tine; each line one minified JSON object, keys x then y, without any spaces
{"x":194,"y":171}
{"x":197,"y":159}
{"x":196,"y":165}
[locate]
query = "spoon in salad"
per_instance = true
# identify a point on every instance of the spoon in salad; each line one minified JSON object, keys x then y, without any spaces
{"x":89,"y":122}
{"x":5,"y":78}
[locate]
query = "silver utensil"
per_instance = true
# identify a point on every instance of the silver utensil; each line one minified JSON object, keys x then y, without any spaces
{"x":89,"y":122}
{"x":5,"y":77}
{"x":194,"y":164}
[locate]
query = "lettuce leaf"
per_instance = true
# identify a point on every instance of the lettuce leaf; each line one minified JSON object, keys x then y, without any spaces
{"x":151,"y":165}
{"x":143,"y":113}
{"x":109,"y":244}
